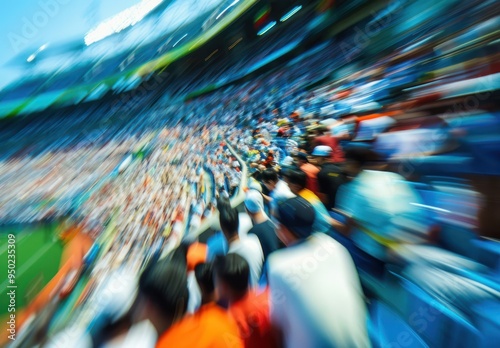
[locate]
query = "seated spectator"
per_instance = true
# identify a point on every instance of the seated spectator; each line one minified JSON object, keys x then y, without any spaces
{"x":316,"y":297}
{"x":246,"y":246}
{"x":296,"y":180}
{"x":278,"y":189}
{"x":263,"y":228}
{"x":330,"y":176}
{"x":310,"y":169}
{"x":210,"y":326}
{"x":249,"y":308}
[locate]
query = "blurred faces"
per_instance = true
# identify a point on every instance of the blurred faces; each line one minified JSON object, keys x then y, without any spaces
{"x":319,"y":160}
{"x":293,"y":187}
{"x":270,"y":184}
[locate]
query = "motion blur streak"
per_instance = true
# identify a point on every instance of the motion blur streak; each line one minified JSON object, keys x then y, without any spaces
{"x":123,"y":152}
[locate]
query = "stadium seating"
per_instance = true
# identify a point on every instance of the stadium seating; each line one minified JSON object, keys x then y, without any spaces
{"x":388,"y":329}
{"x":436,"y":322}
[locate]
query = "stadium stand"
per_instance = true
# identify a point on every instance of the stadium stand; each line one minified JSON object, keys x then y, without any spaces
{"x":397,"y":136}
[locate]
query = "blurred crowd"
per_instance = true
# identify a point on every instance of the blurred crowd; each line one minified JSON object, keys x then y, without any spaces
{"x":368,"y":198}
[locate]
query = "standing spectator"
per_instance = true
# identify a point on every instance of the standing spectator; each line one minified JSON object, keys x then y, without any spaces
{"x":210,"y":326}
{"x":263,"y":228}
{"x":163,"y":295}
{"x":319,"y":303}
{"x":310,"y":169}
{"x":278,"y":189}
{"x":296,"y":180}
{"x":330,"y":176}
{"x":249,"y":308}
{"x":383,"y":209}
{"x":246,"y":246}
{"x":325,"y":138}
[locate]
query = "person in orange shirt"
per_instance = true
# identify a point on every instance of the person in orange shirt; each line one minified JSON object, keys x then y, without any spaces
{"x":209,"y":327}
{"x":311,"y":171}
{"x":249,"y":308}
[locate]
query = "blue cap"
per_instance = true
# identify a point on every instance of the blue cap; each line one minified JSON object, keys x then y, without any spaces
{"x":322,"y":151}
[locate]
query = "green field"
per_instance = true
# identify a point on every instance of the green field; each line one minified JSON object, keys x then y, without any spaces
{"x":38,"y":257}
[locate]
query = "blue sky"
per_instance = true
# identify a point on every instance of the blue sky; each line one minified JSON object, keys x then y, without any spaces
{"x":28,"y":24}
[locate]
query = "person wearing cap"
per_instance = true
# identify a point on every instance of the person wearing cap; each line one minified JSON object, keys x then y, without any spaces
{"x":310,"y":169}
{"x":263,"y":228}
{"x":316,"y":296}
{"x":330,"y":176}
{"x":326,"y":138}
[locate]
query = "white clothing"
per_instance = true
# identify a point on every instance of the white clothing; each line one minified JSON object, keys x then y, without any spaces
{"x":250,"y":249}
{"x":194,"y":301}
{"x":280,"y":194}
{"x":142,"y":334}
{"x":316,"y":297}
{"x":245,"y":224}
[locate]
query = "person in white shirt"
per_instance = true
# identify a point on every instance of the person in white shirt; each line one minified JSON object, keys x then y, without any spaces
{"x":247,"y":246}
{"x":279,"y":190}
{"x":316,"y":297}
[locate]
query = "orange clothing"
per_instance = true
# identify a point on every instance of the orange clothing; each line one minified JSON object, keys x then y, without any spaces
{"x":252,"y":316}
{"x":312,"y":176}
{"x":197,"y":253}
{"x":210,"y":327}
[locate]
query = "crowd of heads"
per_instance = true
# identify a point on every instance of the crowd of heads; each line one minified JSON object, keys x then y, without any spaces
{"x":301,"y":147}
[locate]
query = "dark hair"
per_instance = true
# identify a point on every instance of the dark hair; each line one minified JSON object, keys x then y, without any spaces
{"x":204,"y":273}
{"x":164,"y":283}
{"x":179,"y":255}
{"x":269,"y":175}
{"x":223,"y":203}
{"x":233,"y":270}
{"x":296,"y":176}
{"x":229,"y":220}
{"x":361,"y":155}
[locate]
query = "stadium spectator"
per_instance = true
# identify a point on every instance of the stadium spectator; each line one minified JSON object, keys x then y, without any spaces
{"x":330,"y":176}
{"x":278,"y":189}
{"x":249,"y":308}
{"x":316,"y":297}
{"x":247,"y":246}
{"x":382,"y":208}
{"x":296,"y":179}
{"x":310,"y":169}
{"x":325,"y":138}
{"x":209,"y":326}
{"x":163,"y":295}
{"x":263,"y":228}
